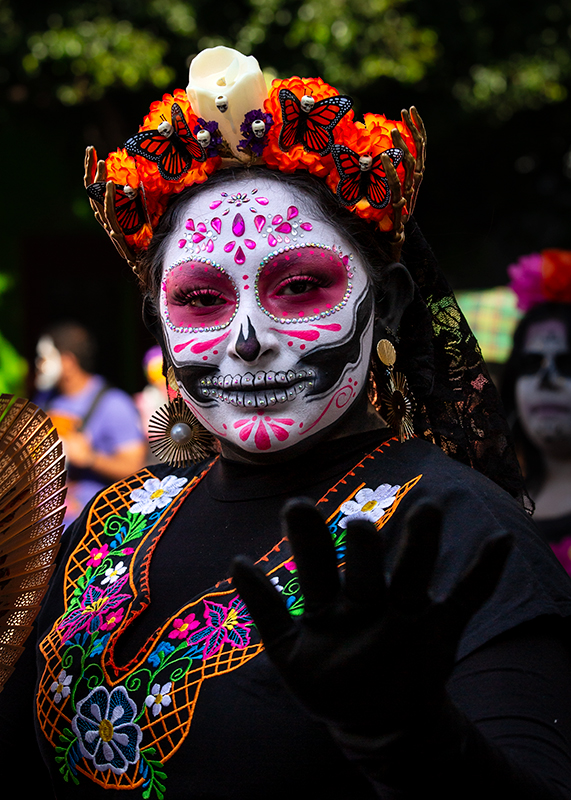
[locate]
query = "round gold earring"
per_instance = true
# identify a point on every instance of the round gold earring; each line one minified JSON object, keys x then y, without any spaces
{"x":176,"y":437}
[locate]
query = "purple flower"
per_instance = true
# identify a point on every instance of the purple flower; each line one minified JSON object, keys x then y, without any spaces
{"x":251,"y":140}
{"x":95,"y":602}
{"x":526,"y":281}
{"x":226,"y":624}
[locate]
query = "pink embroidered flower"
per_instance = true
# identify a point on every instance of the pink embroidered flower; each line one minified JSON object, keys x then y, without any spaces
{"x":95,"y":603}
{"x":526,"y":280}
{"x":97,"y":555}
{"x":182,"y":627}
{"x":113,"y":620}
{"x":226,"y":624}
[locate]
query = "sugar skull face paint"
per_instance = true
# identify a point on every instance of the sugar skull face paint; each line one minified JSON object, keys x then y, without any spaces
{"x":269,"y":326}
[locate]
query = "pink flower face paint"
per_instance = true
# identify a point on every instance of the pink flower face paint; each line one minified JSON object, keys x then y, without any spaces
{"x":270,"y":339}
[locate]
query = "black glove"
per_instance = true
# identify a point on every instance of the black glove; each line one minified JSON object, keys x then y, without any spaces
{"x":369,"y":657}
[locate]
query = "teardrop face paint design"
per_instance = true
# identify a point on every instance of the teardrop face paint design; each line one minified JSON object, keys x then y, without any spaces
{"x":260,"y":327}
{"x":238,"y":226}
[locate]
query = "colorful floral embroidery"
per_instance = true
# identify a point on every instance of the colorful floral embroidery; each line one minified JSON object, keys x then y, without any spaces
{"x":227,"y":624}
{"x":60,"y":688}
{"x":368,"y":504}
{"x":156,"y":494}
{"x":182,"y":627}
{"x":93,"y":605}
{"x":159,"y":697}
{"x":105,"y":729}
{"x":114,"y":573}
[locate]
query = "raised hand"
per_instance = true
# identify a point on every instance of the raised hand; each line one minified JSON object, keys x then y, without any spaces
{"x":369,"y":656}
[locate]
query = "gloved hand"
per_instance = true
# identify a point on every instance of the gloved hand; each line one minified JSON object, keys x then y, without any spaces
{"x":369,"y":657}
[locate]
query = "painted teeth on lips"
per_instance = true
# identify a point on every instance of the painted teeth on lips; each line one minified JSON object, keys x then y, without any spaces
{"x":261,"y":390}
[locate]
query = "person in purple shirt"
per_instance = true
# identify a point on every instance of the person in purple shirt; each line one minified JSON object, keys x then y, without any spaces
{"x":99,"y":424}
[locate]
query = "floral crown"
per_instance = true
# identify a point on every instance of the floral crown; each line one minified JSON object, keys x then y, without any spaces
{"x":541,"y":278}
{"x":227,"y":117}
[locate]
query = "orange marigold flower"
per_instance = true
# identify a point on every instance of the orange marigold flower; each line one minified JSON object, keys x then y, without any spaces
{"x":122,"y":169}
{"x":373,"y":137}
{"x":298,"y":157}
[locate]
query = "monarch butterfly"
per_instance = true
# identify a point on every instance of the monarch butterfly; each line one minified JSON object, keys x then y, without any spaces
{"x":310,"y":123}
{"x":363,"y":176}
{"x":172,"y":146}
{"x":128,"y":206}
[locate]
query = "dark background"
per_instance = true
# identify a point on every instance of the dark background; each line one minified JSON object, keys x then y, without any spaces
{"x":490,"y":79}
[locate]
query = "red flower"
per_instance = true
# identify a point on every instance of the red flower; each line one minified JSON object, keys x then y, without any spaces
{"x":556,"y":275}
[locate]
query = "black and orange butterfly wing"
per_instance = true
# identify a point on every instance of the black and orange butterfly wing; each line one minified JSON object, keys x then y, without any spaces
{"x":323,"y":117}
{"x":312,"y":128}
{"x":174,"y":155}
{"x":185,"y":135}
{"x":97,"y":192}
{"x":291,"y":117}
{"x":378,"y":193}
{"x":128,"y":210}
{"x":349,"y":189}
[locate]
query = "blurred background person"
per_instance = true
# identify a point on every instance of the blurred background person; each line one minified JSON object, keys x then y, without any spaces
{"x":99,"y":424}
{"x":154,"y":393}
{"x":536,"y":391}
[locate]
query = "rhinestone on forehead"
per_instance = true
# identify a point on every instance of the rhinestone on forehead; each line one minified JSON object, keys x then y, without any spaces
{"x":322,"y":314}
{"x":201,"y":328}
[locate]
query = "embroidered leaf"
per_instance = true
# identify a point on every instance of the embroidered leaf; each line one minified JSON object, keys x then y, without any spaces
{"x":152,"y":769}
{"x":69,"y":756}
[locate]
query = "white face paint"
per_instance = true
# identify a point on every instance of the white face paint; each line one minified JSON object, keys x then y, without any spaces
{"x":267,"y":315}
{"x":543,"y":392}
{"x":48,"y":364}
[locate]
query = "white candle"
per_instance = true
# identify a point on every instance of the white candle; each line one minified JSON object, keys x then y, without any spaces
{"x":223,"y":72}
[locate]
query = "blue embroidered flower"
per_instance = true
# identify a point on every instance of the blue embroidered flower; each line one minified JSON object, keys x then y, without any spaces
{"x":60,"y":687}
{"x":105,"y":729}
{"x":155,"y":657}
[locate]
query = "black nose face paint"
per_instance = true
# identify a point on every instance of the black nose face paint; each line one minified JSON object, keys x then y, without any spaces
{"x":248,"y":348}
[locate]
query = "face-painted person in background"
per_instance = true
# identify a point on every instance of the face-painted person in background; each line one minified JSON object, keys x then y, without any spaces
{"x":329,"y":668}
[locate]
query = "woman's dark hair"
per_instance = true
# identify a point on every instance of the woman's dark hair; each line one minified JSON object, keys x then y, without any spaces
{"x":71,"y":337}
{"x":530,"y":455}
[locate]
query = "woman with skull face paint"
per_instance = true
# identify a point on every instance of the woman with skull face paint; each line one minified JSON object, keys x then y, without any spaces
{"x":359,"y":647}
{"x":537,"y":391}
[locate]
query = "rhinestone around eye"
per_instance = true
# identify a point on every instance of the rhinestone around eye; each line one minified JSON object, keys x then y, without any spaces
{"x":322,"y":314}
{"x":205,"y":329}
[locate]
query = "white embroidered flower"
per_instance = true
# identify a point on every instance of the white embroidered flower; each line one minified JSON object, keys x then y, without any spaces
{"x":61,"y":686}
{"x":156,"y":494}
{"x":369,"y":504}
{"x":159,"y":698}
{"x":114,"y":573}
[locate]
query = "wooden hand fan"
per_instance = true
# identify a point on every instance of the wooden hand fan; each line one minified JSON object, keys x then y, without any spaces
{"x":32,"y":495}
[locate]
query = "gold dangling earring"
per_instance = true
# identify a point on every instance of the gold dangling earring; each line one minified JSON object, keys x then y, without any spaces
{"x":176,"y":437}
{"x":396,"y":397}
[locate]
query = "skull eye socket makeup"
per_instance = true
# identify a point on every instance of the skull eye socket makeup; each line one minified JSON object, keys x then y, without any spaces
{"x":199,"y":295}
{"x":302,"y":283}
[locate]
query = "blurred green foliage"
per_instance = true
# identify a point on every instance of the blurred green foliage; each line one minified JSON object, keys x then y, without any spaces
{"x":506,"y":57}
{"x":490,"y":78}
